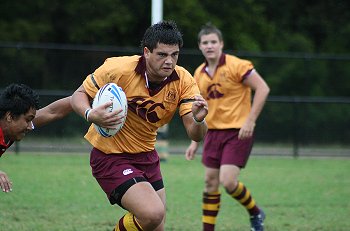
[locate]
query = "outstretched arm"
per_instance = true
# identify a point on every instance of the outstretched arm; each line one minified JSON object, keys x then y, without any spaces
{"x":54,"y":111}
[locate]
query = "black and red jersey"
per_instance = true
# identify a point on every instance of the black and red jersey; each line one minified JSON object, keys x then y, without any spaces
{"x":3,"y":145}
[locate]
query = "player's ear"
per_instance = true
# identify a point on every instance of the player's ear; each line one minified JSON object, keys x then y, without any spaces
{"x":146,"y":52}
{"x":8,"y":116}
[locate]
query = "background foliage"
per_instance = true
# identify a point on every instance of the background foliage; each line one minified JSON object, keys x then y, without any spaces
{"x":303,"y":45}
{"x":254,"y":25}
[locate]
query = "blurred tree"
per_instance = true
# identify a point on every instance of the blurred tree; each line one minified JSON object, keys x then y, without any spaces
{"x":303,"y":28}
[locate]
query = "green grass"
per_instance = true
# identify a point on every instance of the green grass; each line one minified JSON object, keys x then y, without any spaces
{"x":58,"y":193}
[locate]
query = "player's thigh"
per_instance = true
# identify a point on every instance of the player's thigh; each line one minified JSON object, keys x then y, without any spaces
{"x":161,"y":194}
{"x":143,"y":201}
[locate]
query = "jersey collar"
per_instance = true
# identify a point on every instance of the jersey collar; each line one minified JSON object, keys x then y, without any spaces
{"x":3,"y":144}
{"x":222,"y":61}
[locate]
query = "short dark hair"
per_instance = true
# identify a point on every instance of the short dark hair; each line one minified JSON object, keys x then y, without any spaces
{"x":209,"y":28}
{"x":165,"y":32}
{"x":18,"y":99}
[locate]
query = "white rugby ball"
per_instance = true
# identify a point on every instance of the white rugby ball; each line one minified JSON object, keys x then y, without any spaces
{"x":111,"y":92}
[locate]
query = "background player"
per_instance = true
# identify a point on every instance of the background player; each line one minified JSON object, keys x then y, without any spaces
{"x":226,"y":81}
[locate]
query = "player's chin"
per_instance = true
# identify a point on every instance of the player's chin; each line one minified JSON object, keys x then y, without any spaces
{"x":210,"y":56}
{"x":20,"y":136}
{"x":165,"y":72}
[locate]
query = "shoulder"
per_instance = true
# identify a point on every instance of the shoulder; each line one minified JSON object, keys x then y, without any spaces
{"x":122,"y":61}
{"x":116,"y":66}
{"x":236,"y":61}
{"x":199,"y":69}
{"x":183,"y":73}
{"x":185,"y":77}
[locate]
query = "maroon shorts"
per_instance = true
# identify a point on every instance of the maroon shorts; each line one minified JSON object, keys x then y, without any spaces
{"x":116,"y":173}
{"x":223,"y":147}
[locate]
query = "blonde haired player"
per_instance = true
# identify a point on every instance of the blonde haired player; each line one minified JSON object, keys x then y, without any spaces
{"x":226,"y":81}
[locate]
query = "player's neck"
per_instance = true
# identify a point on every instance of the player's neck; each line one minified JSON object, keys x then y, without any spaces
{"x":151,"y":79}
{"x":212,"y":65}
{"x":213,"y":62}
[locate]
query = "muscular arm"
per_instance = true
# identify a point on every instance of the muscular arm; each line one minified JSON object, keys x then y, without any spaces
{"x":54,"y":111}
{"x":194,"y":131}
{"x":80,"y":101}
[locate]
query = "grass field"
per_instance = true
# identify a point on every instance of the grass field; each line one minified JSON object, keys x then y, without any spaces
{"x":58,"y":193}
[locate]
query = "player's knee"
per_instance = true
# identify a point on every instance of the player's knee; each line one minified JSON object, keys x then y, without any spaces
{"x":229,"y":184}
{"x":211,"y":183}
{"x":153,"y":218}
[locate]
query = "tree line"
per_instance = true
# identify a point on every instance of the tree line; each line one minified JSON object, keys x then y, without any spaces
{"x":300,"y":47}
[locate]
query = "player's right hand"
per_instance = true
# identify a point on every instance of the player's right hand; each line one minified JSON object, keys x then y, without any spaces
{"x":103,"y":118}
{"x":191,"y":151}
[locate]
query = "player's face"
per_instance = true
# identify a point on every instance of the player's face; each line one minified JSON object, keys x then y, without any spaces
{"x":211,"y":46}
{"x":19,"y":126}
{"x":161,"y":62}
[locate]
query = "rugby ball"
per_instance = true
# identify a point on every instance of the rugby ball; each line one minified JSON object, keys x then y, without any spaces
{"x":111,"y":92}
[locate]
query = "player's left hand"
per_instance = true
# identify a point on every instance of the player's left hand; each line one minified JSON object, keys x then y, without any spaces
{"x":247,"y":130}
{"x":5,"y":183}
{"x":199,"y":108}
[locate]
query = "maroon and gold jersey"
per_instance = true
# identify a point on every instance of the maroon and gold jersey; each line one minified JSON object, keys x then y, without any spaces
{"x":3,"y":145}
{"x":148,"y":109}
{"x":229,"y":100}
